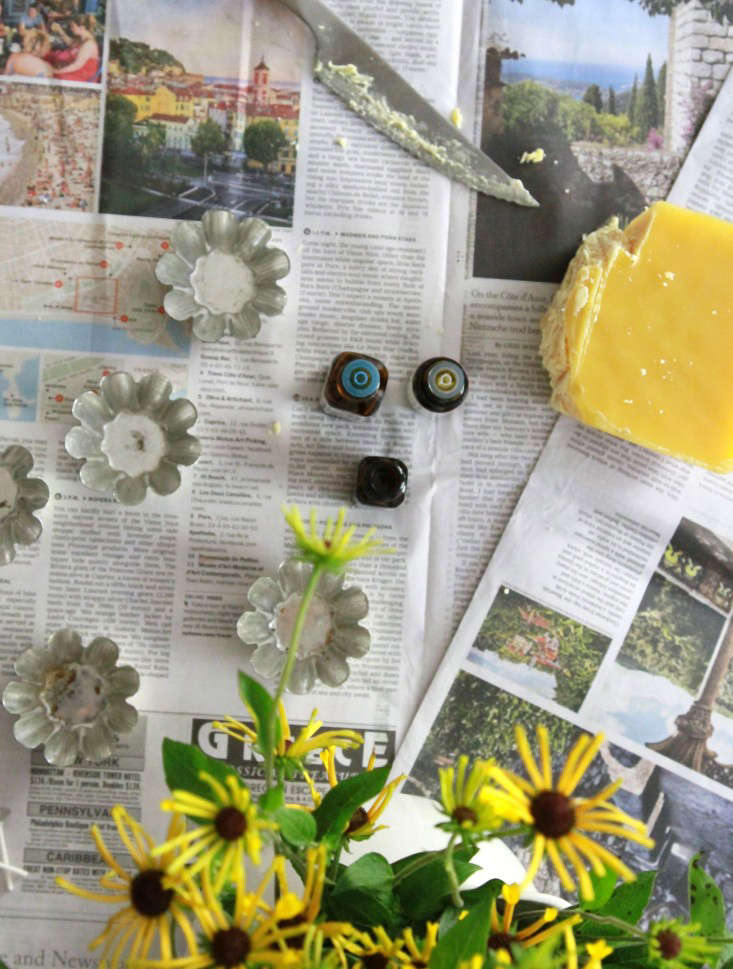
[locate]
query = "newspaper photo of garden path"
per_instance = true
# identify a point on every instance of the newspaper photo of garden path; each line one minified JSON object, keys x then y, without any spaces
{"x":614,"y":112}
{"x":683,"y":818}
{"x":202,"y":109}
{"x":539,"y":648}
{"x":671,"y":685}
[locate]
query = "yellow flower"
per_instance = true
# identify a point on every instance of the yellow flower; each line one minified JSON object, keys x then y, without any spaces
{"x":503,"y":934}
{"x":245,"y":938}
{"x":459,"y":795}
{"x":415,"y":956}
{"x":362,"y":822}
{"x":558,"y":820}
{"x":335,"y":549}
{"x":150,"y":898}
{"x":377,"y":949}
{"x":230,"y":828}
{"x":597,"y":951}
{"x":674,"y":945}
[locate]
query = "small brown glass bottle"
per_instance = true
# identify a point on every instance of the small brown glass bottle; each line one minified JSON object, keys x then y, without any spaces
{"x":381,"y":482}
{"x":438,"y":385}
{"x":354,"y":387}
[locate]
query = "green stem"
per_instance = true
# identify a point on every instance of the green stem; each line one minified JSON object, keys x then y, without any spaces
{"x":287,"y":670}
{"x":416,"y":865}
{"x":611,"y":920}
{"x":451,"y":870}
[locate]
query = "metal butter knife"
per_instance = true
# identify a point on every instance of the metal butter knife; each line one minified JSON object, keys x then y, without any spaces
{"x":350,"y":68}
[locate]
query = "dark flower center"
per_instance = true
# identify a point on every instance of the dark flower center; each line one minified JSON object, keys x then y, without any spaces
{"x":500,"y":940}
{"x":230,"y":824}
{"x":147,"y":894}
{"x":553,"y":814}
{"x":230,"y":947}
{"x":669,"y":944}
{"x":376,"y":960}
{"x":462,"y":814}
{"x":358,"y":819}
{"x":293,"y":941}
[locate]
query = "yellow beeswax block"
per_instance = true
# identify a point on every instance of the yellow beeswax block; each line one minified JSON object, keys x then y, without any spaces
{"x":638,"y":339}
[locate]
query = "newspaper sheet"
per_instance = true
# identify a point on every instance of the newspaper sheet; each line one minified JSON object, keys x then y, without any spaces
{"x":139,"y":115}
{"x":607,"y":606}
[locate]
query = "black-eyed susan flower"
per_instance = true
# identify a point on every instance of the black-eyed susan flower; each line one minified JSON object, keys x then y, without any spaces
{"x":459,"y":796}
{"x":504,"y":933}
{"x":230,"y":829}
{"x":334,"y":549}
{"x":416,"y":955}
{"x":152,"y":900}
{"x":557,"y":820}
{"x":375,"y":949}
{"x":674,"y":945}
{"x":290,"y":751}
{"x":362,"y":823}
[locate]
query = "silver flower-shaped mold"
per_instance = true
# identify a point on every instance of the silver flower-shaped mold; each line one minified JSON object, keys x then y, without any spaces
{"x":133,"y":436}
{"x":20,"y":496}
{"x":331,"y":634}
{"x":223,"y":275}
{"x":71,"y":698}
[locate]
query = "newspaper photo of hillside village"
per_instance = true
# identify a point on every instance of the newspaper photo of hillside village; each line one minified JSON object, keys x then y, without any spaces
{"x":185,"y":130}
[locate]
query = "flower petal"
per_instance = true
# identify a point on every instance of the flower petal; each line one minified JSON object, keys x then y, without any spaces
{"x":153,"y":393}
{"x":332,"y":669}
{"x":80,"y":442}
{"x":119,"y":391}
{"x":165,"y":479}
{"x":220,"y":229}
{"x":62,"y":748}
{"x":123,"y":682}
{"x":252,"y":235}
{"x":208,"y":327}
{"x":17,"y":459}
{"x":303,"y":677}
{"x":188,"y":241}
{"x":293,"y":576}
{"x":121,"y":716}
{"x":7,"y":547}
{"x":34,"y":492}
{"x":179,"y":415}
{"x":102,"y":654}
{"x":352,"y":640}
{"x":329,"y":584}
{"x":184,"y":450}
{"x":32,"y":664}
{"x":171,"y":270}
{"x":96,"y":742}
{"x":24,"y":527}
{"x":268,"y":661}
{"x":253,"y":628}
{"x":352,"y":603}
{"x":20,"y":697}
{"x":33,"y":728}
{"x":130,"y":491}
{"x":264,"y":594}
{"x":179,"y":304}
{"x":96,"y":474}
{"x":269,"y":300}
{"x":246,"y":323}
{"x":270,"y":264}
{"x":64,"y":646}
{"x":91,"y":411}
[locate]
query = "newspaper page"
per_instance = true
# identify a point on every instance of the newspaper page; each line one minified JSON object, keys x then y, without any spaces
{"x":607,"y":606}
{"x":170,"y":116}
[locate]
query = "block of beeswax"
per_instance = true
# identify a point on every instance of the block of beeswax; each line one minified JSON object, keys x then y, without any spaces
{"x":638,"y":340}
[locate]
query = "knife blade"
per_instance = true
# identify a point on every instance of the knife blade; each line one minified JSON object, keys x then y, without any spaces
{"x":351,"y":69}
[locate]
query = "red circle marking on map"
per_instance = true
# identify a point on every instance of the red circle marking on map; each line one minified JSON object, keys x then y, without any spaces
{"x":58,"y":284}
{"x":119,"y":245}
{"x":165,"y":245}
{"x":103,"y":263}
{"x":124,"y":318}
{"x":161,"y":310}
{"x":59,"y":398}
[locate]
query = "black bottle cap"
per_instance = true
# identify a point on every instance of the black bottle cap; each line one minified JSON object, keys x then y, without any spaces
{"x":381,"y":481}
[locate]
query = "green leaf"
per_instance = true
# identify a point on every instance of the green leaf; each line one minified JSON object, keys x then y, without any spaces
{"x":627,"y":902}
{"x":363,"y":892}
{"x":603,"y":886}
{"x":297,"y":827}
{"x":423,"y":893}
{"x":335,"y":810}
{"x":182,"y":764}
{"x":2,"y":965}
{"x":464,"y":939}
{"x":706,"y":900}
{"x":272,"y":800}
{"x":259,"y":703}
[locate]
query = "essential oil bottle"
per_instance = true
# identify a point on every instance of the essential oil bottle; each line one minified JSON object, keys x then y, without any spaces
{"x":354,"y":387}
{"x":381,"y":481}
{"x":438,"y":385}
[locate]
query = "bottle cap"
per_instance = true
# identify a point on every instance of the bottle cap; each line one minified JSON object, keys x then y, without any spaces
{"x":360,"y":378}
